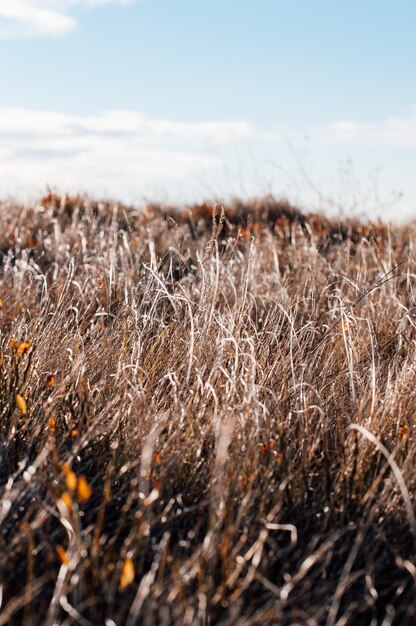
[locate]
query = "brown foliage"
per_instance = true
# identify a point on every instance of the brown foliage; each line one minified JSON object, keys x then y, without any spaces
{"x":218,"y":422}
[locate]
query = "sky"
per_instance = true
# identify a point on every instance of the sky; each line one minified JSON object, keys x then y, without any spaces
{"x":183,"y":100}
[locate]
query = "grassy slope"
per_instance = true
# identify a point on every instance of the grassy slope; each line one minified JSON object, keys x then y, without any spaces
{"x":240,"y":396}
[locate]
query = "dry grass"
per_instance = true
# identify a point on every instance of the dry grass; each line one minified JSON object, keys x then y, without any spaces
{"x":205,"y":419}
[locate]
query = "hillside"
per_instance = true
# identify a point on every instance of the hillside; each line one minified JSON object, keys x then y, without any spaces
{"x":207,"y":416}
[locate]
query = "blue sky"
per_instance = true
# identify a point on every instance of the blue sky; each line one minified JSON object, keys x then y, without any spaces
{"x":184,"y":99}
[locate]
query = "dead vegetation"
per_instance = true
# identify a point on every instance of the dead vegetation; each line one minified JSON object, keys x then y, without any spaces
{"x":206,"y":416}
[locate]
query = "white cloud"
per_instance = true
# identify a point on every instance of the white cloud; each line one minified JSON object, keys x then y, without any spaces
{"x":53,"y":18}
{"x":392,"y":132}
{"x":127,"y":155}
{"x":119,"y":153}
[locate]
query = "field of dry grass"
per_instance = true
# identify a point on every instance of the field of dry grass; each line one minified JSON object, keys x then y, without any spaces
{"x":206,"y":417}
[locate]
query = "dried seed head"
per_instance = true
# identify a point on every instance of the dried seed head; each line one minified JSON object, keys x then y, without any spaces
{"x":62,"y":555}
{"x":67,"y":500}
{"x":50,"y":381}
{"x":84,"y":490}
{"x":21,"y":404}
{"x":127,"y":574}
{"x":23,"y":348}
